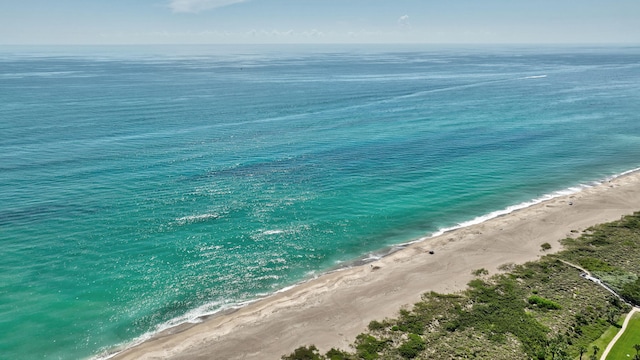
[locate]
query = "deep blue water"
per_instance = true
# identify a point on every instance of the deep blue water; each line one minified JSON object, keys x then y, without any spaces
{"x":143,"y":187}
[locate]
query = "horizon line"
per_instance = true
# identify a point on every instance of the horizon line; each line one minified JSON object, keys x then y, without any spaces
{"x":334,"y":44}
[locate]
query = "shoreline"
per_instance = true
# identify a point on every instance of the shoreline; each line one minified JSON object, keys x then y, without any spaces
{"x":331,"y":309}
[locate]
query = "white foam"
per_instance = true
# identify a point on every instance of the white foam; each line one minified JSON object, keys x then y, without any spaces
{"x":37,"y":74}
{"x":196,"y":218}
{"x":510,"y":209}
{"x":623,"y":174}
{"x":535,"y":77}
{"x":526,"y":204}
{"x":193,"y":316}
{"x":372,"y":257}
{"x":272,"y":232}
{"x":286,"y":288}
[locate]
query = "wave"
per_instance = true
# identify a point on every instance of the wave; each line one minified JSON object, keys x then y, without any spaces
{"x":194,"y":316}
{"x":535,"y":77}
{"x":526,"y":204}
{"x":510,"y":209}
{"x":21,"y":75}
{"x":272,"y":232}
{"x":196,"y":218}
{"x":363,"y":105}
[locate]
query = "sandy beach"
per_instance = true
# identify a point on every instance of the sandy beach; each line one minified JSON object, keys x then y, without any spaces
{"x":331,"y":310}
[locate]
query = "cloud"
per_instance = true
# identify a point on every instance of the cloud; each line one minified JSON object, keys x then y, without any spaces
{"x":313,"y":33}
{"x":195,"y":6}
{"x":403,"y":20}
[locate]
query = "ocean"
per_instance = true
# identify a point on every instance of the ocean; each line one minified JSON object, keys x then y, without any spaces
{"x":144,"y":187}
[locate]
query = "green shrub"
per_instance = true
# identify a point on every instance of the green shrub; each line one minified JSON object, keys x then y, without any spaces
{"x":304,"y":353}
{"x":376,"y":325}
{"x":593,"y":264}
{"x":452,"y":326}
{"x":480,"y":272}
{"x":335,"y":354}
{"x":410,"y":323}
{"x":631,"y":292}
{"x":631,"y":221}
{"x":543,"y":303}
{"x":368,"y":347}
{"x":498,"y":310}
{"x":412,"y":347}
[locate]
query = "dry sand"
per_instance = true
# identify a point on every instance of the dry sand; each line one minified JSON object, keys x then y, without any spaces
{"x":333,"y":309}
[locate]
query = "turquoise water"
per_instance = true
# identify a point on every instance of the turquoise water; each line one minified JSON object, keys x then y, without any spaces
{"x":144,"y":187}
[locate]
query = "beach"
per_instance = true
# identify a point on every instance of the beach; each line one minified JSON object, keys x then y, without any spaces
{"x":331,"y":310}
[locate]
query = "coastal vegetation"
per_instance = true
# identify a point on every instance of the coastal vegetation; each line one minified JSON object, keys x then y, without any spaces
{"x":538,"y":310}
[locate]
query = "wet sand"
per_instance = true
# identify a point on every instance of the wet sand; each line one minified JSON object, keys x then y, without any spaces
{"x":332,"y":310}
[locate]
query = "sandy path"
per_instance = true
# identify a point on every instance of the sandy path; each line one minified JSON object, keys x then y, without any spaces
{"x":331,"y":310}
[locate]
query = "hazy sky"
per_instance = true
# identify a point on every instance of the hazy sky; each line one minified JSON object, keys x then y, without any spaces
{"x":318,"y":21}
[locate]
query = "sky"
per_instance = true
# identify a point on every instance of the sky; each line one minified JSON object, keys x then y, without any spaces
{"x":47,"y":22}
